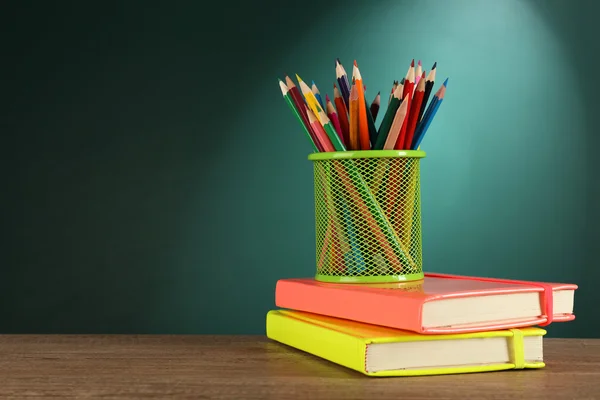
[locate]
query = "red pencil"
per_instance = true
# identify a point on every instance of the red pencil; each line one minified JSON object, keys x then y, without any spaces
{"x":375,"y":106}
{"x":300,"y":106}
{"x":413,"y":117}
{"x":320,"y":132}
{"x":342,"y":112}
{"x":332,"y":115}
{"x":409,"y":81}
{"x":409,"y":86}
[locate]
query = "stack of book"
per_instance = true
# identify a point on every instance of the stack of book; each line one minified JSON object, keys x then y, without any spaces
{"x":443,"y":324}
{"x":421,"y":324}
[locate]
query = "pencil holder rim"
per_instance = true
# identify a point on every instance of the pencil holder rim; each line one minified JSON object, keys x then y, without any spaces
{"x":355,"y":154}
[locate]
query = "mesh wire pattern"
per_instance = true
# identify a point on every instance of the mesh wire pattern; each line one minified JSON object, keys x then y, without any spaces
{"x":368,"y":219}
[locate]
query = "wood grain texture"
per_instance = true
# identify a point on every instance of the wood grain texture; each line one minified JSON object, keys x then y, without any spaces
{"x":253,"y":367}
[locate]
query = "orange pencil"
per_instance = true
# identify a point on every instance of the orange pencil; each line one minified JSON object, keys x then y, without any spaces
{"x":363,"y":126}
{"x":413,"y":116}
{"x":342,"y":112}
{"x":353,"y":123}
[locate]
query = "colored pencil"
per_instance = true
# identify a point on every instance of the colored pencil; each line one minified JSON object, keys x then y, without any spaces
{"x":374,"y":216}
{"x":309,"y":97}
{"x":370,"y":125}
{"x":409,"y":81}
{"x":375,"y":106}
{"x":363,"y":126}
{"x":353,"y":120}
{"x":332,"y":115}
{"x":342,"y":112}
{"x":353,"y":259}
{"x":429,"y":109}
{"x":388,"y":118}
{"x":335,"y":232}
{"x":394,"y":86}
{"x":418,"y":73}
{"x":413,"y":115}
{"x":402,"y":134}
{"x":330,"y":131}
{"x":298,"y":100}
{"x":399,"y":121}
{"x":405,"y":206}
{"x":295,"y":109}
{"x":319,"y":131}
{"x":317,"y":94}
{"x":439,"y":97}
{"x":428,"y":87}
{"x":342,"y":79}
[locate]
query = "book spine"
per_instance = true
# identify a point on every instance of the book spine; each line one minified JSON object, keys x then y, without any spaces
{"x":337,"y":347}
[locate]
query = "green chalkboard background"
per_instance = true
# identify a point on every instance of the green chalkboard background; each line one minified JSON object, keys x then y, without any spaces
{"x":154,"y":180}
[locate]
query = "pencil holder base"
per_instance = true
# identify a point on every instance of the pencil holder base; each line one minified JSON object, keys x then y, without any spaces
{"x":369,"y":279}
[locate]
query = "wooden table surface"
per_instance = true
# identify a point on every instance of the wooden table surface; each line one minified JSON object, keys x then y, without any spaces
{"x":253,"y":367}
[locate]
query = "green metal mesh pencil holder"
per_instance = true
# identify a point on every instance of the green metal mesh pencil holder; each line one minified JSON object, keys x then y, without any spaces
{"x":368,"y":216}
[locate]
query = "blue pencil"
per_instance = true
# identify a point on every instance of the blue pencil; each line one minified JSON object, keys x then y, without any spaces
{"x":317,"y":94}
{"x":429,"y":115}
{"x":342,"y":79}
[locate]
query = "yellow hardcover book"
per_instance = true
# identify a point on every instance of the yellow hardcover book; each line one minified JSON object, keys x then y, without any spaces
{"x":379,"y":351}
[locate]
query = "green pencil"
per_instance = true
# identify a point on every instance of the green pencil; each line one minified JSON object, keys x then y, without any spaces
{"x":371,"y":125}
{"x":288,"y":99}
{"x":331,"y":132}
{"x":388,"y":118}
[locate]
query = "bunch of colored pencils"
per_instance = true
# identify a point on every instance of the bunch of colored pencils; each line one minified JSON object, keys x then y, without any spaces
{"x":350,"y":124}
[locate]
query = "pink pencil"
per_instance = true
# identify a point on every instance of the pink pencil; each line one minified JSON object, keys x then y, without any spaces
{"x":397,"y":124}
{"x":319,"y":131}
{"x":332,"y":114}
{"x":418,"y":73}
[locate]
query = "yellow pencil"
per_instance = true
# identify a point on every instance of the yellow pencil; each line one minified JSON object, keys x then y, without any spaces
{"x":310,"y":98}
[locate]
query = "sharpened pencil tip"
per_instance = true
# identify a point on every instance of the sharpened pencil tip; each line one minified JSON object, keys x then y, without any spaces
{"x":434,"y":65}
{"x":326,"y":97}
{"x":355,"y":64}
{"x":446,"y":82}
{"x":299,"y":79}
{"x":335,"y":87}
{"x":337,"y":60}
{"x":412,"y":63}
{"x":419,"y":63}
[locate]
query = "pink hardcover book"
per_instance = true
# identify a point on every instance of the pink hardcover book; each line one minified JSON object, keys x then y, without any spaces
{"x":438,"y":304}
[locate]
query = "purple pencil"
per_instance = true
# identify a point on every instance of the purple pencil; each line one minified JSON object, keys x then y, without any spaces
{"x":342,"y":79}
